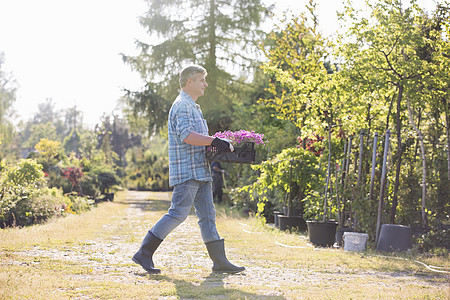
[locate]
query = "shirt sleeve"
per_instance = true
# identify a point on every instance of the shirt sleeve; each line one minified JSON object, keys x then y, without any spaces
{"x":184,"y":121}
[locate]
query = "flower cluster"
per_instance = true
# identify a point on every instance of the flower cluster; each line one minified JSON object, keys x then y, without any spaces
{"x":240,"y":136}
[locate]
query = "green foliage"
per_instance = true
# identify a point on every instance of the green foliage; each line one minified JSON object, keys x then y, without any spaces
{"x":48,"y":155}
{"x":71,"y":142}
{"x":100,"y":174}
{"x":295,"y":173}
{"x":77,"y":204}
{"x":389,"y":57}
{"x":26,"y":173}
{"x":219,"y":35}
{"x":45,"y":204}
{"x":51,"y":124}
{"x":302,"y":86}
{"x":33,"y":133}
{"x":89,"y":185}
{"x":25,"y":199}
{"x":148,"y":167}
{"x":47,"y":148}
{"x":251,"y":114}
{"x":8,"y":87}
{"x":106,"y":179}
{"x":435,"y":240}
{"x":18,"y":183}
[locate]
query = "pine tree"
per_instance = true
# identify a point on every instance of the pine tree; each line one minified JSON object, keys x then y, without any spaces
{"x":220,"y":35}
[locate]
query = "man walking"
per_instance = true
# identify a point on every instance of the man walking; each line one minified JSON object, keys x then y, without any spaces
{"x":190,"y":176}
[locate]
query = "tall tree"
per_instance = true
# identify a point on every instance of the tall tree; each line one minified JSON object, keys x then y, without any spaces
{"x":295,"y":53}
{"x":8,"y":88}
{"x":384,"y":52}
{"x":437,"y":32}
{"x":221,"y":35}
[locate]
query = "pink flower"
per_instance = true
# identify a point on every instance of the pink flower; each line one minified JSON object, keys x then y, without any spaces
{"x":240,"y":136}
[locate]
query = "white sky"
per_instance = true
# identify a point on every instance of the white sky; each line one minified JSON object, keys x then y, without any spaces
{"x":69,"y":50}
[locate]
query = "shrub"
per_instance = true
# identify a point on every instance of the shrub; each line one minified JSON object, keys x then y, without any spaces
{"x":19,"y":182}
{"x":78,"y":204}
{"x":25,"y":200}
{"x":89,"y":185}
{"x":276,"y":182}
{"x":73,"y":175}
{"x":41,"y":206}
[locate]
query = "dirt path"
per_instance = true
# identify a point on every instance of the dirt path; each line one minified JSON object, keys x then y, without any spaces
{"x":182,"y":255}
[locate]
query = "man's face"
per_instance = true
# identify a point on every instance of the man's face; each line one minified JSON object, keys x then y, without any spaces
{"x":197,"y":85}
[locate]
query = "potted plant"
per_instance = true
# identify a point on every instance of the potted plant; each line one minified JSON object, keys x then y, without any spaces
{"x":323,"y":232}
{"x":293,"y":217}
{"x":292,"y":173}
{"x":243,"y":142}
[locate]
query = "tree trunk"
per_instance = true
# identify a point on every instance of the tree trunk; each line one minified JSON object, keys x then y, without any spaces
{"x":389,"y":113}
{"x":342,"y":173}
{"x":289,"y":213}
{"x":360,"y":162}
{"x":399,"y":156}
{"x":347,"y":168}
{"x":359,"y":195}
{"x":447,"y":123}
{"x":325,"y":207}
{"x":424,"y":164}
{"x":372,"y":174}
{"x":382,"y":184}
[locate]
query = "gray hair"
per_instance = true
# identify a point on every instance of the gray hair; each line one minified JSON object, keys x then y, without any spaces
{"x":190,"y":72}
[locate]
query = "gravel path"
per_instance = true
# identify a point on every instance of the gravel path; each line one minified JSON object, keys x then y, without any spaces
{"x":183,"y":252}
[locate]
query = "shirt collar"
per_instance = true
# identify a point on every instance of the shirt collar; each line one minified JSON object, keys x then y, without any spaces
{"x":186,"y":97}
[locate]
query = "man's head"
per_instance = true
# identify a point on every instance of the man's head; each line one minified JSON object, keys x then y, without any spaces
{"x":193,"y":81}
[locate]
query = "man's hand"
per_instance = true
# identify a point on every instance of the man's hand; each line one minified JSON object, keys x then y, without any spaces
{"x":221,"y":145}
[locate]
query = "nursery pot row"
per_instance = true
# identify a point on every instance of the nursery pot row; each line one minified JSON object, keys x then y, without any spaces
{"x":293,"y":222}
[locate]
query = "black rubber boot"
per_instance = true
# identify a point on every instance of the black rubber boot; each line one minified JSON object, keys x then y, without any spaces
{"x":216,"y":251}
{"x":144,"y":256}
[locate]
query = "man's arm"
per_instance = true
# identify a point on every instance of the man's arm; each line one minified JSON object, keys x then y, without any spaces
{"x":197,"y":139}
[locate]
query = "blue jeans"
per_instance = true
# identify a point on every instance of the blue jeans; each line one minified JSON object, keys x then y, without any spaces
{"x":186,"y":194}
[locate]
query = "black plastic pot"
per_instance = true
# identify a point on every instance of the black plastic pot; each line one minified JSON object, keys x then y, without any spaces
{"x":276,"y":215}
{"x":340,"y":233}
{"x":394,"y":238}
{"x":292,"y":222}
{"x":294,"y":212}
{"x":322,"y":233}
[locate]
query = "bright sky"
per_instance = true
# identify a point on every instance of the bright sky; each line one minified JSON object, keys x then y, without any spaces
{"x":69,"y":50}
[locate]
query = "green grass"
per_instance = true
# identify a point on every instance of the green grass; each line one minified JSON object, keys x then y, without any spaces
{"x":88,"y":256}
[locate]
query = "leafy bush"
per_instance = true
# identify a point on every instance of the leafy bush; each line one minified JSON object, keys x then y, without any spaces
{"x":106,"y":178}
{"x":41,"y":206}
{"x":48,"y":154}
{"x":437,"y":241}
{"x":25,"y":200}
{"x":78,"y":204}
{"x":276,"y":181}
{"x":89,"y":185}
{"x":74,"y":175}
{"x":19,"y":182}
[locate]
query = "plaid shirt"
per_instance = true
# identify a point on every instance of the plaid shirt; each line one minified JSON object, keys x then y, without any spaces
{"x":186,"y":162}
